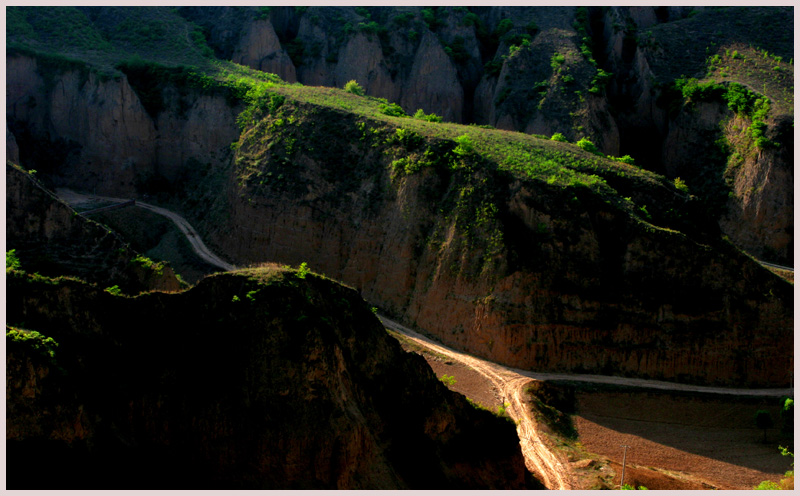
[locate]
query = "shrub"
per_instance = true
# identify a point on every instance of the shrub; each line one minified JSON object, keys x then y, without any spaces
{"x":12,"y":261}
{"x":405,"y":137}
{"x":353,"y":87}
{"x":448,"y":380}
{"x":465,"y":145}
{"x":599,"y":81}
{"x":392,"y":109}
{"x":559,"y":137}
{"x":503,"y":27}
{"x":420,"y":114}
{"x":42,"y":344}
{"x":625,"y":159}
{"x":114,"y":290}
{"x":303,"y":270}
{"x":587,"y":145}
{"x":557,"y":60}
{"x":680,"y":185}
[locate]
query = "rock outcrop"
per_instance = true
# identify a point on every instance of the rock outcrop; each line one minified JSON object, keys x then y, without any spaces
{"x":93,"y":133}
{"x":52,"y":239}
{"x":263,"y":379}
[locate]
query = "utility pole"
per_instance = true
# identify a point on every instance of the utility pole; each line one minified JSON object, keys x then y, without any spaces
{"x":624,"y":454}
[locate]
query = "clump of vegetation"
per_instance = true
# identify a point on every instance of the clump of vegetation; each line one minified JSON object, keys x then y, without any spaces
{"x":114,"y":290}
{"x":12,"y":260}
{"x":559,"y":137}
{"x":787,"y":482}
{"x":353,"y":87}
{"x":586,"y":144}
{"x":420,"y":114}
{"x":302,"y":271}
{"x":557,"y":60}
{"x":145,"y":262}
{"x":680,"y":185}
{"x":628,"y":487}
{"x":625,"y":159}
{"x":448,"y":380}
{"x":41,"y":344}
{"x":393,"y":110}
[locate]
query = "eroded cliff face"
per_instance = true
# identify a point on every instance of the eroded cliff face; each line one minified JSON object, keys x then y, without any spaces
{"x":554,"y":281}
{"x":93,"y":133}
{"x":51,"y":238}
{"x":706,"y":144}
{"x":263,"y":379}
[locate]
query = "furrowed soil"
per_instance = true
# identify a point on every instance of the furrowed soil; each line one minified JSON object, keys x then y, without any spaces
{"x":676,"y":440}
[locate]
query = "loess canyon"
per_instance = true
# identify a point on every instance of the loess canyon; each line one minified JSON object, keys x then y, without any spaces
{"x":555,"y":189}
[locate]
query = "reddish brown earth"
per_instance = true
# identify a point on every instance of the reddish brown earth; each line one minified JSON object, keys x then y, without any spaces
{"x":709,"y":442}
{"x":675,"y":441}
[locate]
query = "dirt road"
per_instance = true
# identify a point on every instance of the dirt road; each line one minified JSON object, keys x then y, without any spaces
{"x":198,"y":246}
{"x":510,"y":384}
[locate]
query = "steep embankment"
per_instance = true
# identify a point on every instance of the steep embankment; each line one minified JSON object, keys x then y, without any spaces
{"x":531,"y":270}
{"x":97,"y":133}
{"x":738,"y":159}
{"x":50,"y":238}
{"x":267,"y":378}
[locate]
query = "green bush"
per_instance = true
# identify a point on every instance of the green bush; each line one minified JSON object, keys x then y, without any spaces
{"x":465,"y":145}
{"x":768,"y":485}
{"x":42,"y":344}
{"x":302,"y":271}
{"x":353,"y":87}
{"x":448,"y":380}
{"x":625,"y":159}
{"x":587,"y":145}
{"x":559,"y":137}
{"x":420,"y":114}
{"x":680,"y":185}
{"x":114,"y":290}
{"x":12,"y":261}
{"x":392,"y":109}
{"x":503,"y":27}
{"x":557,"y":60}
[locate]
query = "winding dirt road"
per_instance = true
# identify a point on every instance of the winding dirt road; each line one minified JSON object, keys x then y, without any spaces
{"x":510,"y":382}
{"x":511,"y":385}
{"x":198,"y":246}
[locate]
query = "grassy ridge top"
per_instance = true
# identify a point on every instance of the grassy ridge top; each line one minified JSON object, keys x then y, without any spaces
{"x":136,"y":42}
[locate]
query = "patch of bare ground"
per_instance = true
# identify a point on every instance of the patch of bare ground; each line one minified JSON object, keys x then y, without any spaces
{"x":468,"y":382}
{"x":682,"y":441}
{"x":676,"y":440}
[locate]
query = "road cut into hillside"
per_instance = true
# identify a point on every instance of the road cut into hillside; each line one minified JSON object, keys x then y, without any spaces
{"x":186,"y":229}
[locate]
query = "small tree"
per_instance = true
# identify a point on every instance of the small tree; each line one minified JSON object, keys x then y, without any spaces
{"x":353,"y":87}
{"x":763,"y":421}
